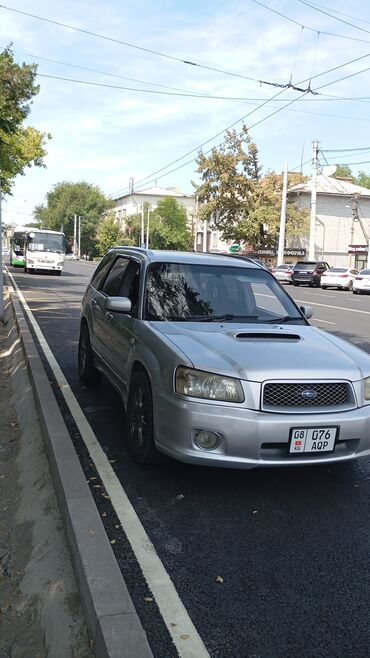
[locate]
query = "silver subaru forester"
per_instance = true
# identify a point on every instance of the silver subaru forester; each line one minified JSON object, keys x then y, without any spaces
{"x":217,"y":365}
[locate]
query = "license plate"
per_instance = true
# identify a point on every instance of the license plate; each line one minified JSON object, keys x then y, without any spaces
{"x":312,"y":439}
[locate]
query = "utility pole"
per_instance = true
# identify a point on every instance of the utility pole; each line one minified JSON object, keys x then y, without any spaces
{"x":205,"y":232}
{"x":147,"y":229}
{"x":280,"y":255}
{"x":311,"y":248}
{"x":79,"y":236}
{"x":142,"y":226}
{"x":75,"y":235}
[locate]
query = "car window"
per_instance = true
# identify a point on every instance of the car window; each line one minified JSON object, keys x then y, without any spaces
{"x":102,"y":269}
{"x":114,"y":279}
{"x":176,"y":291}
{"x":304,"y":266}
{"x":130,"y":286}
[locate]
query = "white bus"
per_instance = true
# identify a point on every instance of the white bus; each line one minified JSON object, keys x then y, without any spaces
{"x":44,"y":250}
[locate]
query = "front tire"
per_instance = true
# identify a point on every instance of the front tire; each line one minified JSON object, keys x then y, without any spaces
{"x":86,"y":368}
{"x":140,"y":424}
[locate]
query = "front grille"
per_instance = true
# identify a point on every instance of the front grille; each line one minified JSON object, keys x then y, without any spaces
{"x":306,"y":395}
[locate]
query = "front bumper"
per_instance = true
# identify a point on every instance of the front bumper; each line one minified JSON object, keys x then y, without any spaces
{"x":48,"y":267}
{"x":252,"y":438}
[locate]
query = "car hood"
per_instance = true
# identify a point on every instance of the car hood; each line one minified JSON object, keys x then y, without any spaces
{"x":258,"y":352}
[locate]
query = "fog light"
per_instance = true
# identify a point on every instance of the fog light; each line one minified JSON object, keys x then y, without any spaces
{"x":206,"y":439}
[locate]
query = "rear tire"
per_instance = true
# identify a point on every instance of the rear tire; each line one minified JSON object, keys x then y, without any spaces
{"x":86,"y":368}
{"x":295,"y":283}
{"x":139,"y":419}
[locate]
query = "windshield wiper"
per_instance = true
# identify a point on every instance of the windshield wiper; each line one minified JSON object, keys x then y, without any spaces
{"x":215,"y":318}
{"x":285,"y":318}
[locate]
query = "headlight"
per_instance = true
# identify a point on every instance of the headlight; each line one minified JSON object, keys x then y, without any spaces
{"x":60,"y":264}
{"x":206,"y":385}
{"x":367,"y":388}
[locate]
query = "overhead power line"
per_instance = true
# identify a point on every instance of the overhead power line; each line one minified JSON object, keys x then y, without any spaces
{"x":361,"y":148}
{"x":159,"y":171}
{"x":312,"y":29}
{"x":340,"y":13}
{"x":303,"y":2}
{"x":129,"y":45}
{"x":230,"y":98}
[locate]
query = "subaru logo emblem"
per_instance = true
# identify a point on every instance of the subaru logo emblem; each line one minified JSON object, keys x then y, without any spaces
{"x":309,"y":394}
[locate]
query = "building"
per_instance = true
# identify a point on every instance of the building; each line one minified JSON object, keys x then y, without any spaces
{"x":342,"y":220}
{"x":132,"y":203}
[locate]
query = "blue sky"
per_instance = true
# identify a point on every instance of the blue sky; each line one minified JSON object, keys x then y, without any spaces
{"x":105,"y":135}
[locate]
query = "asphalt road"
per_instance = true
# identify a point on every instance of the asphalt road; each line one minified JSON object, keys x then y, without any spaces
{"x":268,"y":563}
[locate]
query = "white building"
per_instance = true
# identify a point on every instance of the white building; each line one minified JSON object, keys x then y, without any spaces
{"x":132,"y":203}
{"x":342,"y":220}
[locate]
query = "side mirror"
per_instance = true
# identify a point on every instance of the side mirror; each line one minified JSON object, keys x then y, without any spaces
{"x":307,"y":311}
{"x":119,"y":304}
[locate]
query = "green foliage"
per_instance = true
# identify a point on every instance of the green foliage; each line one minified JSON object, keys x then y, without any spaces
{"x":229,"y":176}
{"x":343,"y":171}
{"x":17,"y":89}
{"x":168,"y":227}
{"x":244,"y":206}
{"x":363,"y":179}
{"x":67,"y":199}
{"x":20,"y":147}
{"x":109,"y":234}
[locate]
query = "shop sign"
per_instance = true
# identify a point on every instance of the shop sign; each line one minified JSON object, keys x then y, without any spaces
{"x":287,"y":252}
{"x":358,"y":249}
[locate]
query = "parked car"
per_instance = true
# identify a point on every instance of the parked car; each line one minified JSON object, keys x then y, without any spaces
{"x":309,"y":272}
{"x":338,"y":277}
{"x":216,"y":364}
{"x":361,"y":283}
{"x":283,"y":273}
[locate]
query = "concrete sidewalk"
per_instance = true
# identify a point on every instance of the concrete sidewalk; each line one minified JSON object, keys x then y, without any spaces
{"x":40,"y":609}
{"x":52,"y":540}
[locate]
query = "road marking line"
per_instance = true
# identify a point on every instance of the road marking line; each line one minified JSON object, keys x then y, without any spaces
{"x":339,"y":308}
{"x":182,"y":630}
{"x":326,"y":321}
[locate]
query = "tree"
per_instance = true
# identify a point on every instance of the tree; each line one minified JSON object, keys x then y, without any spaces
{"x":169,"y":228}
{"x":343,"y":171}
{"x":109,"y":234}
{"x":229,"y":176}
{"x":363,"y":179}
{"x":244,"y":206}
{"x":20,"y":146}
{"x":67,"y":199}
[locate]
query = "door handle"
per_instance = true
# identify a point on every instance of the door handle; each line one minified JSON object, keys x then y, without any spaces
{"x":95,"y":305}
{"x":109,"y":316}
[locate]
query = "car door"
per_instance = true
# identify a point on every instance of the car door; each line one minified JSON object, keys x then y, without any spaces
{"x":119,"y":328}
{"x":109,"y":286}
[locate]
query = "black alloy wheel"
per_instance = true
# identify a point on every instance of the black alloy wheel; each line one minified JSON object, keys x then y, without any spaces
{"x":139,"y":418}
{"x":86,"y":368}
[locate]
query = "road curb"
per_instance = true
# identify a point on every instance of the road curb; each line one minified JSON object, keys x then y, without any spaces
{"x":111,"y":618}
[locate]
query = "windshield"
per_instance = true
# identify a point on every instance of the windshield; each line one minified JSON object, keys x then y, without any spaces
{"x":181,"y":292}
{"x":305,"y":266}
{"x":47,"y":242}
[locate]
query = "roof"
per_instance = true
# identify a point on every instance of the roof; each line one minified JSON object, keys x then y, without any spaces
{"x":187,"y":257}
{"x":328,"y":185}
{"x":157,"y":191}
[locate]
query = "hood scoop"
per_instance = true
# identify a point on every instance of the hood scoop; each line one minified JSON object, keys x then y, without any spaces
{"x":264,"y":335}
